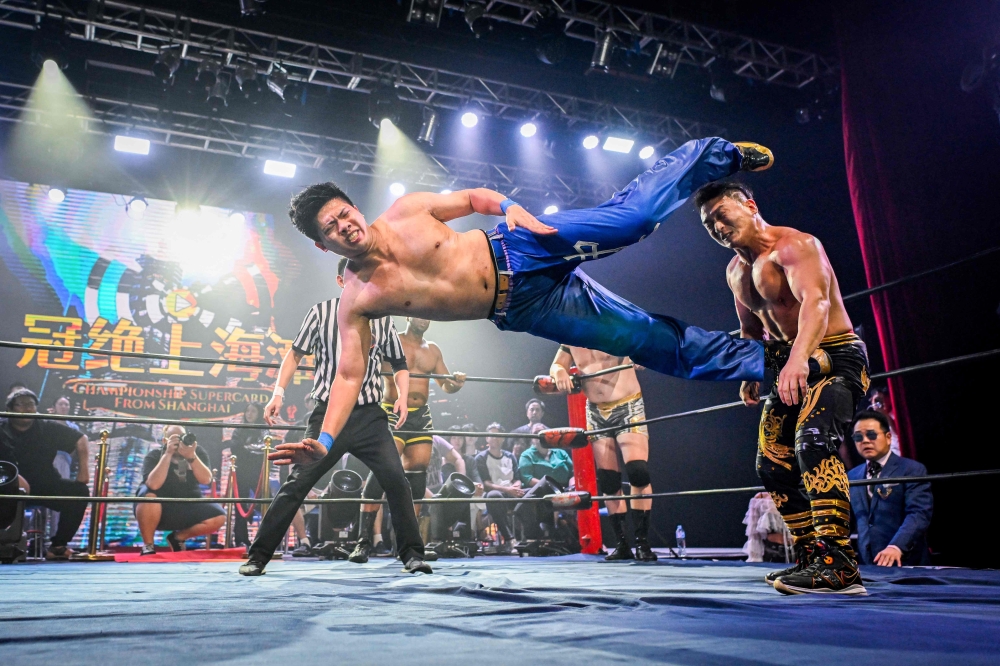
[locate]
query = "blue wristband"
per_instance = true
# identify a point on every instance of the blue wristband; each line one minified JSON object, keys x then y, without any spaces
{"x":326,"y":439}
{"x":507,"y":203}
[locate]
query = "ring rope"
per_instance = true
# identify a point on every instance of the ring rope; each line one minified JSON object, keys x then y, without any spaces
{"x":478,"y":500}
{"x":449,"y":433}
{"x":930,"y":271}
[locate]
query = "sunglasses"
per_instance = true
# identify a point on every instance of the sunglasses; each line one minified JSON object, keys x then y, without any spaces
{"x":861,"y":436}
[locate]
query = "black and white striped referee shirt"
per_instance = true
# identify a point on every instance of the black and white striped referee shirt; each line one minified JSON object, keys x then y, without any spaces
{"x":319,"y":337}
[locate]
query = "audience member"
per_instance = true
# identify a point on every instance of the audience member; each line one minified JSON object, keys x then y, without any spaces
{"x":478,"y":443}
{"x":535,"y":410}
{"x":892,"y":518}
{"x":498,"y":471}
{"x":175,"y":470}
{"x":466,"y":447}
{"x":444,"y":458}
{"x":880,"y":401}
{"x":33,"y":445}
{"x":538,"y":461}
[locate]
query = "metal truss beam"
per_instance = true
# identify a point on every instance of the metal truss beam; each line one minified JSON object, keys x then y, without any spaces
{"x":125,"y":25}
{"x":254,"y":141}
{"x":696,"y":45}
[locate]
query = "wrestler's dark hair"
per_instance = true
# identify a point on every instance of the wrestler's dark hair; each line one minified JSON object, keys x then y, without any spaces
{"x":720,"y":188}
{"x":882,"y":419}
{"x":341,"y":266}
{"x":305,"y":206}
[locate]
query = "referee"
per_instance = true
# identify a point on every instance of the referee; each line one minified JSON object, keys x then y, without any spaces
{"x":366,"y":434}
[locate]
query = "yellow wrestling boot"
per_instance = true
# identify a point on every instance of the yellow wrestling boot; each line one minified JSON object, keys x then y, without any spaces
{"x":755,"y":156}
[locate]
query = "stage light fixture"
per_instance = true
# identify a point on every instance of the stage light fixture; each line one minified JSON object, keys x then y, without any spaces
{"x":208,"y":71}
{"x":50,"y":67}
{"x":136,"y":207}
{"x":429,"y":126}
{"x":384,"y":104}
{"x":590,"y":142}
{"x":48,"y":44}
{"x":246,"y":78}
{"x":552,"y":44}
{"x":56,"y":195}
{"x":475,"y":18}
{"x":470,"y":119}
{"x":550,"y":209}
{"x":397,"y":189}
{"x":602,"y":51}
{"x":278,"y":168}
{"x":445,"y":191}
{"x":277,"y":80}
{"x":218,"y":93}
{"x":168,"y":60}
{"x":237,"y":218}
{"x":528,"y":129}
{"x":131,"y":144}
{"x":717,"y":93}
{"x":252,"y":7}
{"x":618,"y":145}
{"x":646,"y":153}
{"x":427,"y":12}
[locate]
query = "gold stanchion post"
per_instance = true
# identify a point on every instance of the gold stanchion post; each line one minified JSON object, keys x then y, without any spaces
{"x":103,"y":532}
{"x":92,"y":555}
{"x":265,"y":492}
{"x":229,"y":506}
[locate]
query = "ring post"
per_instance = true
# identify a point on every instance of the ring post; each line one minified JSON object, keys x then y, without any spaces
{"x":229,"y":506}
{"x":103,"y":532}
{"x":585,"y":473}
{"x":92,"y":555}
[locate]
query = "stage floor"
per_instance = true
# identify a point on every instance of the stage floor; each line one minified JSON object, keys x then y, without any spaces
{"x":488,"y":610}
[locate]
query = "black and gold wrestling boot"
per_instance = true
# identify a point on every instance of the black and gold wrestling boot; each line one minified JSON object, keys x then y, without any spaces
{"x":361,"y":552}
{"x":832,"y":572}
{"x":252,"y":568}
{"x":755,"y":156}
{"x":803,"y":558}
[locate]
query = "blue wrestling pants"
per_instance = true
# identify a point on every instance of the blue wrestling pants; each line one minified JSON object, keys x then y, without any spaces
{"x":541,"y":289}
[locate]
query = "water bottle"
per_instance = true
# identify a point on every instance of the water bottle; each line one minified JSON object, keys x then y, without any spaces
{"x":681,"y":542}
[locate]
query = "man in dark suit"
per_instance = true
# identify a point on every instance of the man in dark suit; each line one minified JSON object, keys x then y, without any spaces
{"x":892,"y":518}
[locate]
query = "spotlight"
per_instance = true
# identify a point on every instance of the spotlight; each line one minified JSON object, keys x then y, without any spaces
{"x":384,"y":104}
{"x":167,"y":62}
{"x":277,"y":80}
{"x":476,"y":19}
{"x":131,"y":144}
{"x":469,"y":119}
{"x":57,"y":195}
{"x":218,"y":93}
{"x":237,"y":218}
{"x":208,"y":71}
{"x":427,"y":12}
{"x":276,"y":168}
{"x":591,"y":142}
{"x":552,"y":44}
{"x":646,"y":153}
{"x":429,"y":127}
{"x":48,"y":44}
{"x":528,"y":129}
{"x":717,"y":93}
{"x":550,"y":209}
{"x":252,"y":7}
{"x":618,"y":145}
{"x":445,"y":191}
{"x":50,"y":67}
{"x":664,"y":62}
{"x":602,"y":51}
{"x":136,"y":207}
{"x":246,"y":78}
{"x":397,"y":189}
{"x":802,"y":115}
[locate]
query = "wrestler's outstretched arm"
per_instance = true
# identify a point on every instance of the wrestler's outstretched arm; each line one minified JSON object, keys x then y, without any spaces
{"x":355,"y":341}
{"x":447,"y":207}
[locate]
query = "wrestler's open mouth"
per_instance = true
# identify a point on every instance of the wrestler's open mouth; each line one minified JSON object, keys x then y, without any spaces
{"x":352,"y":236}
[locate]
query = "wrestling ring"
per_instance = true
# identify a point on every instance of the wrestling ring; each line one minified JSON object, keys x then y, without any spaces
{"x":573,"y":608}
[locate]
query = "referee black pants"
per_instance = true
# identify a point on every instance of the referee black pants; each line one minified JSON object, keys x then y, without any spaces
{"x":366,"y":435}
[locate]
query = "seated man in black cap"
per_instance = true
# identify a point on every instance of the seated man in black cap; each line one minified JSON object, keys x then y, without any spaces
{"x":34,"y":444}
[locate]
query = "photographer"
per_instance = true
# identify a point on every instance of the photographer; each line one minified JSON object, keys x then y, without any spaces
{"x":175,"y":471}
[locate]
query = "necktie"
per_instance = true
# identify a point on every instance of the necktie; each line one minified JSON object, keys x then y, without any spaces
{"x":874,"y":469}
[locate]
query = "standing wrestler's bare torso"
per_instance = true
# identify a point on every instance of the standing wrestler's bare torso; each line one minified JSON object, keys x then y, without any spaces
{"x":606,"y":388}
{"x":424,"y":269}
{"x":422,"y":357}
{"x":762,"y":287}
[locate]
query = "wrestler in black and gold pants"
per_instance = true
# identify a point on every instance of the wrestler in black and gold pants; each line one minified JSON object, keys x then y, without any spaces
{"x":798,"y":445}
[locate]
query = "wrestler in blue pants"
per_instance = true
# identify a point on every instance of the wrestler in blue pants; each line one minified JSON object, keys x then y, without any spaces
{"x":549,"y":296}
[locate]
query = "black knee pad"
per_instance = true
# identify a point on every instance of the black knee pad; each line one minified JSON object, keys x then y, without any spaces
{"x":418,"y":482}
{"x":609,"y":481}
{"x":637,"y":472}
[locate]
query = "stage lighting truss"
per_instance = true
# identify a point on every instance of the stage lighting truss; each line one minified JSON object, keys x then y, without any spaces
{"x":131,"y":26}
{"x":111,"y":115}
{"x":425,"y":12}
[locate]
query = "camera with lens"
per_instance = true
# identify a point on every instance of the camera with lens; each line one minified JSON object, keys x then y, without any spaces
{"x":188,"y":439}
